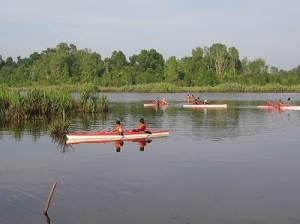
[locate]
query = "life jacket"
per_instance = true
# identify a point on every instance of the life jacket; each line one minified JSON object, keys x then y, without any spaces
{"x":142,"y":127}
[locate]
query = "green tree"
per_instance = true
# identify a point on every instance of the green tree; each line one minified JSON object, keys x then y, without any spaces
{"x":89,"y":65}
{"x":171,"y":70}
{"x":150,"y":64}
{"x":219,"y":55}
{"x":255,"y":72}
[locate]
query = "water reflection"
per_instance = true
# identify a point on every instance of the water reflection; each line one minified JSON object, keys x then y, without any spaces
{"x":117,"y":144}
{"x":143,"y":143}
{"x":60,"y":142}
{"x":157,"y":108}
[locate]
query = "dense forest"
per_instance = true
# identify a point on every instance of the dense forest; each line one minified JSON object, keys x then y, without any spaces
{"x":208,"y":66}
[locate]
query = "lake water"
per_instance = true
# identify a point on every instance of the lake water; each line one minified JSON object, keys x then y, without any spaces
{"x":234,"y":165}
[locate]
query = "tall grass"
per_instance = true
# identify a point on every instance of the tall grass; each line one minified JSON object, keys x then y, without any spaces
{"x":37,"y":104}
{"x":222,"y":88}
{"x":171,"y":88}
{"x":90,"y":101}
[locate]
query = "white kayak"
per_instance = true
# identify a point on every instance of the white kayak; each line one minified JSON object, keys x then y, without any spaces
{"x":284,"y":107}
{"x":110,"y":136}
{"x":205,"y":105}
{"x":155,"y":105}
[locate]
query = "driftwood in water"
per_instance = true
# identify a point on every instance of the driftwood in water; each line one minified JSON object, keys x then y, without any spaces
{"x":49,"y":198}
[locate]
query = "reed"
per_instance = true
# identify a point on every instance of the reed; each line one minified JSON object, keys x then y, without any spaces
{"x":16,"y":104}
{"x":60,"y":102}
{"x":4,"y":99}
{"x":59,"y":127}
{"x":32,"y":102}
{"x":91,"y":102}
{"x":103,"y":104}
{"x":38,"y":105}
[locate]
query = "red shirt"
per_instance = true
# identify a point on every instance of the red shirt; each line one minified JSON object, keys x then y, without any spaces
{"x":142,"y":127}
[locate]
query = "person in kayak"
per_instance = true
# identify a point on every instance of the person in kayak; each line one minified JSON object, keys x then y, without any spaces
{"x":269,"y":103}
{"x":156,"y":102}
{"x":118,"y":128}
{"x":164,"y":101}
{"x":206,"y":102}
{"x":279,"y":104}
{"x":141,"y":127}
{"x":196,"y":101}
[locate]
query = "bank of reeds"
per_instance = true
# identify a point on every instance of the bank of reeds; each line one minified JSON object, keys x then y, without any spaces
{"x":37,"y":104}
{"x":222,"y":88}
{"x":172,"y":88}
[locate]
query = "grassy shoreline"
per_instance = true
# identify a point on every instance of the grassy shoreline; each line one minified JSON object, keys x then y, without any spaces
{"x":169,"y":88}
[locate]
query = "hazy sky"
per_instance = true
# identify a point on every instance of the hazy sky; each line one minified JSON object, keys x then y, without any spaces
{"x":267,"y":29}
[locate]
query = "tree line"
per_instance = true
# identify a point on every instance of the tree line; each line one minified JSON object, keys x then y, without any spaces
{"x":207,"y":66}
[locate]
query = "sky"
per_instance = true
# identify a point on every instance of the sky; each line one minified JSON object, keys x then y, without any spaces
{"x":266,"y":29}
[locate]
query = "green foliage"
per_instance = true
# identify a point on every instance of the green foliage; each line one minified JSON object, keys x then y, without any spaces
{"x":231,"y":87}
{"x":90,"y":102}
{"x":206,"y":67}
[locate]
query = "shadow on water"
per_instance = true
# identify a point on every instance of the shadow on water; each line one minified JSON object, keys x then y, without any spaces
{"x":117,"y":144}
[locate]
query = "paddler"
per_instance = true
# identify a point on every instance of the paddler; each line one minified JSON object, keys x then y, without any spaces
{"x":141,"y":127}
{"x":269,"y":103}
{"x":118,"y":128}
{"x":157,"y":101}
{"x":206,"y":102}
{"x":164,"y":101}
{"x":279,"y":104}
{"x":196,"y":101}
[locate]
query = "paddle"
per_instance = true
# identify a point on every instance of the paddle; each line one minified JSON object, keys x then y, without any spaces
{"x":148,"y":132}
{"x":288,"y":99}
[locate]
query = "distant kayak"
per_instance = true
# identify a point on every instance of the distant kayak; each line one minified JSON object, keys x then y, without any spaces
{"x":205,"y":105}
{"x":285,"y":107}
{"x":154,"y":105}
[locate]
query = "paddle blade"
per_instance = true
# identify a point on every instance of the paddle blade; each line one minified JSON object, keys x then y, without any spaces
{"x":288,"y":99}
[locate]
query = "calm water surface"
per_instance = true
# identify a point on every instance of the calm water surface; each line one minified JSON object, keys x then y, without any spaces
{"x":234,"y":165}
